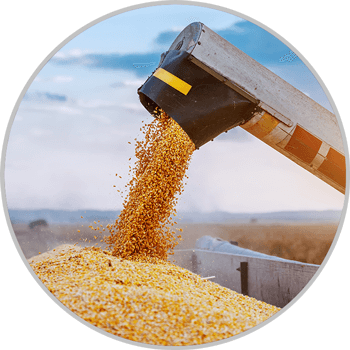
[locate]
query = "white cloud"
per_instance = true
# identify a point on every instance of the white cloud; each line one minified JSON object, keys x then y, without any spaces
{"x":95,"y":103}
{"x":64,"y":179}
{"x":133,"y":106}
{"x":228,"y":176}
{"x":177,"y":28}
{"x":128,"y":83}
{"x":18,"y":118}
{"x":60,"y":55}
{"x":40,"y":132}
{"x":76,"y":52}
{"x":70,"y":53}
{"x":68,"y":110}
{"x":213,"y":23}
{"x":252,"y":177}
{"x":55,"y":108}
{"x":235,"y":28}
{"x":136,"y":82}
{"x":55,"y":79}
{"x":62,"y":79}
{"x":101,"y":118}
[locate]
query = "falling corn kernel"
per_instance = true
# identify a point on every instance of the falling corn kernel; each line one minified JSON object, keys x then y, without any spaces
{"x":162,"y":161}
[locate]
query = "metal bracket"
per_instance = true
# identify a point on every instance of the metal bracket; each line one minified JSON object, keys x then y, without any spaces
{"x":275,"y":114}
{"x":195,"y":262}
{"x":243,"y":269}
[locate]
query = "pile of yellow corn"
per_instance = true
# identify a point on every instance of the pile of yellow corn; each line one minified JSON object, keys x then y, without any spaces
{"x":131,"y":290}
{"x":149,"y":302}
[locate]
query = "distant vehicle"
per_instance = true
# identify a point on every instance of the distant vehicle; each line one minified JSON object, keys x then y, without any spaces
{"x":40,"y":222}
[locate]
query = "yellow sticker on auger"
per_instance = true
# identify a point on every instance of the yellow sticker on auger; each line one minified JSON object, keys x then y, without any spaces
{"x":172,"y":80}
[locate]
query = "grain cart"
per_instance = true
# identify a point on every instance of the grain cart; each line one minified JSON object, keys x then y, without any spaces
{"x":209,"y":86}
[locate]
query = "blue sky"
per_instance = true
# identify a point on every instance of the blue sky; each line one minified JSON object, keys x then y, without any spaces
{"x":70,"y":135}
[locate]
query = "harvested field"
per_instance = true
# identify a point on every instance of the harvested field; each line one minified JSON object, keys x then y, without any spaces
{"x":43,"y":239}
{"x":303,"y":242}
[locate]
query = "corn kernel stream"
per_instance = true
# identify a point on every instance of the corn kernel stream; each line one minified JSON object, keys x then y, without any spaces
{"x":144,"y":227}
{"x":131,"y":290}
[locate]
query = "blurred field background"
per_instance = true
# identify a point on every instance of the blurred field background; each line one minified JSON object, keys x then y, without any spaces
{"x":304,"y":242}
{"x":300,"y":241}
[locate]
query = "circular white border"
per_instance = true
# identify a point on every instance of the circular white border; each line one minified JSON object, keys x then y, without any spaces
{"x":63,"y":43}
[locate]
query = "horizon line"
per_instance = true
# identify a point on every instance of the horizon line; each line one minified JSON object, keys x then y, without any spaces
{"x":186,"y":211}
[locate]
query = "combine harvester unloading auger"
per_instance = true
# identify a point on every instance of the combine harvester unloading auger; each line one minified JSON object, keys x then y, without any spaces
{"x":209,"y":86}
